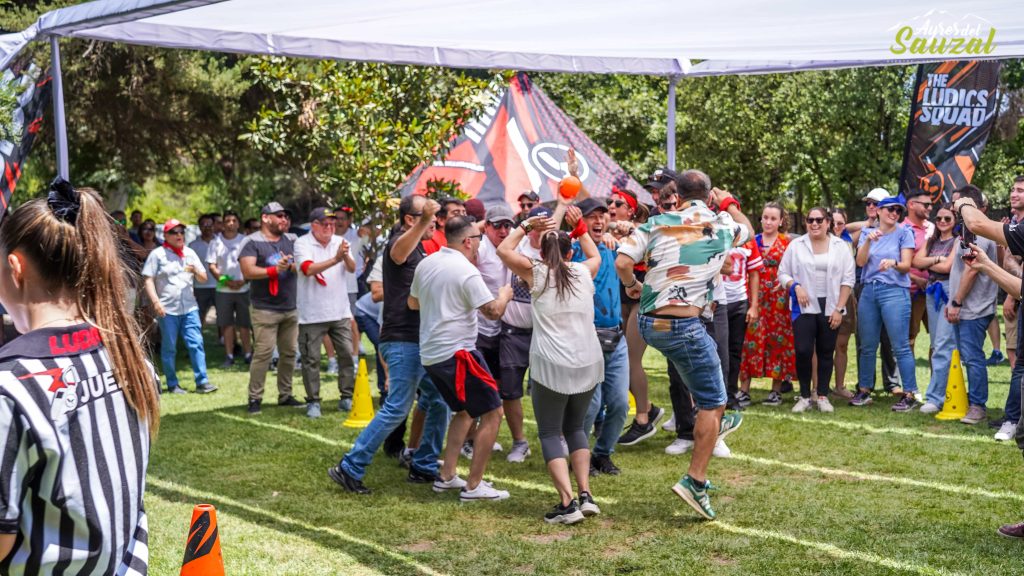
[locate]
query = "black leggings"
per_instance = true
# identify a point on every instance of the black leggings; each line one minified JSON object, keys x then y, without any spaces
{"x":560,"y":416}
{"x":811,"y":333}
{"x":737,"y":312}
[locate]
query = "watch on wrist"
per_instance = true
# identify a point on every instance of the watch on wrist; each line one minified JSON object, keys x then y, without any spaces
{"x":956,"y":304}
{"x":525,"y":225}
{"x":843,"y":310}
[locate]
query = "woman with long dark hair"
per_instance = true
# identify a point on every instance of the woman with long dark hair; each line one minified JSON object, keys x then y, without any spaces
{"x":78,"y":400}
{"x":934,"y":256}
{"x":566,"y":361}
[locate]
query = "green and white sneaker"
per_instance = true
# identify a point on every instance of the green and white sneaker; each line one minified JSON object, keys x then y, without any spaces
{"x":697,"y":498}
{"x":731,"y":422}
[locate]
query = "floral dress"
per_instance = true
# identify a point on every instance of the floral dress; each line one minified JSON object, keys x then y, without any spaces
{"x":768,"y":346}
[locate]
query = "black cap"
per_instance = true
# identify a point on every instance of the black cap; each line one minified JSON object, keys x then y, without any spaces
{"x":529,"y":195}
{"x":321,"y":213}
{"x":915,"y":192}
{"x":274,"y":208}
{"x":540,"y":211}
{"x":660,"y":177}
{"x":588,"y":205}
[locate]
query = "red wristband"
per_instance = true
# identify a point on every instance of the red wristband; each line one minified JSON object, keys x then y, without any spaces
{"x":579,"y":230}
{"x":724,"y":206}
{"x":305,"y":267}
{"x":272,"y":286}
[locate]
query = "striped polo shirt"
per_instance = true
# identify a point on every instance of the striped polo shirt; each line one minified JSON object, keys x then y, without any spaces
{"x":75,"y":454}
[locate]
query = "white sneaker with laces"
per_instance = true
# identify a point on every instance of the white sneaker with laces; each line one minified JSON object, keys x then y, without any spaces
{"x":497,"y":447}
{"x":1006,"y":432}
{"x":519,"y":452}
{"x":802,"y":405}
{"x":824,"y":405}
{"x":679,"y":446}
{"x":721,"y":450}
{"x":455,"y":483}
{"x":930,"y":408}
{"x":483,"y":491}
{"x":670,"y":426}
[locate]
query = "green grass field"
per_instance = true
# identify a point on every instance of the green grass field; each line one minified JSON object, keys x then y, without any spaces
{"x":862,"y":491}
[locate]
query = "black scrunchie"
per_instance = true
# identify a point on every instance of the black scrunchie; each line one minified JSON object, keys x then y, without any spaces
{"x":63,"y":200}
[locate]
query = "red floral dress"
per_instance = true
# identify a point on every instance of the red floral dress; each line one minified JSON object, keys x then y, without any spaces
{"x":768,"y":346}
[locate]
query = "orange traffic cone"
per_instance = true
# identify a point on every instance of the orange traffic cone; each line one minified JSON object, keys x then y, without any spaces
{"x":362,"y":403}
{"x":202,"y":550}
{"x":955,"y":406}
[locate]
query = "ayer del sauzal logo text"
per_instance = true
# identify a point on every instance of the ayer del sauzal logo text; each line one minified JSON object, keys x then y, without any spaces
{"x":939,"y":33}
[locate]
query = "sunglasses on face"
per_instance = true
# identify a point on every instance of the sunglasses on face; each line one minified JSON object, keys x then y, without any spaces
{"x":502,"y":225}
{"x":282,"y":215}
{"x":147,"y":229}
{"x":814,"y":220}
{"x":668,"y":206}
{"x":174,"y":232}
{"x":870,"y":203}
{"x":617,"y":203}
{"x":927,"y":205}
{"x":891,"y":209}
{"x":526,"y":205}
{"x":943,"y":218}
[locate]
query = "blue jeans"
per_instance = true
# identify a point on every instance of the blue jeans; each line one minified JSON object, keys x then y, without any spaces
{"x":368,"y":325}
{"x":613,"y":395}
{"x":406,"y":375}
{"x":943,"y":343}
{"x":1012,"y":409}
{"x":970,"y":339}
{"x":686,"y":343}
{"x":190,"y":328}
{"x":886,"y":304}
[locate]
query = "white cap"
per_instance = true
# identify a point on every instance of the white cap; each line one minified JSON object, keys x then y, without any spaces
{"x":878,"y":194}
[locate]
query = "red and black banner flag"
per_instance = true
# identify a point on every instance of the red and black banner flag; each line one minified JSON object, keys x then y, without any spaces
{"x":954,"y":108}
{"x":519,"y":143}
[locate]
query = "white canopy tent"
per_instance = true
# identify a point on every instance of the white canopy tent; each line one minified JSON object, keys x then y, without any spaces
{"x":651,"y":37}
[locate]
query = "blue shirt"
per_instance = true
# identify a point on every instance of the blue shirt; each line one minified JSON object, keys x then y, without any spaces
{"x":888,"y":246}
{"x":607,"y":300}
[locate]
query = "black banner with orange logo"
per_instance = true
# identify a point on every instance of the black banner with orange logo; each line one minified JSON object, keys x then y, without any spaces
{"x":954,"y":108}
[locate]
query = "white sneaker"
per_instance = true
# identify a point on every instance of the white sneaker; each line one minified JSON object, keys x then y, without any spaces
{"x":519,"y":452}
{"x":455,"y":483}
{"x":679,"y":446}
{"x":332,"y":366}
{"x":802,"y":405}
{"x":670,"y":426}
{"x":1006,"y":432}
{"x":483,"y":491}
{"x":929,"y":408}
{"x":467,"y":450}
{"x":824,"y":405}
{"x":721,"y":450}
{"x":497,"y":447}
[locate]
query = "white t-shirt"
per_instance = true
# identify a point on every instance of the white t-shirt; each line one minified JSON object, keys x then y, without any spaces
{"x":495,"y":275}
{"x":449,"y":289}
{"x":201,"y":248}
{"x":327,"y":301}
{"x":518,"y":312}
{"x":224,"y":253}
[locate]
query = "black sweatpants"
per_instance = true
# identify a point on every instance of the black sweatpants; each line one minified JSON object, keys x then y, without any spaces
{"x":811,"y":333}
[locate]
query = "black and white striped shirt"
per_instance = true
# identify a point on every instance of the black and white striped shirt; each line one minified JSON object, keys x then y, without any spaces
{"x":74,"y":463}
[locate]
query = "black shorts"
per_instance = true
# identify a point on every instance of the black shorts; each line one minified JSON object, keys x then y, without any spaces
{"x":476,"y":393}
{"x":489,"y":346}
{"x":514,"y":355}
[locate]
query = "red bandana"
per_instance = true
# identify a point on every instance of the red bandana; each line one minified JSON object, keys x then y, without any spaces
{"x":180,"y":253}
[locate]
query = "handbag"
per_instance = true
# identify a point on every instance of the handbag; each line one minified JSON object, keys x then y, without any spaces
{"x":609,"y":338}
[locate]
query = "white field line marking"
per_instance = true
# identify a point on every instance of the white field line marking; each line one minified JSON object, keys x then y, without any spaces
{"x":876,"y":430}
{"x":951,"y":488}
{"x":275,"y":517}
{"x":836,"y":551}
{"x":288,"y":429}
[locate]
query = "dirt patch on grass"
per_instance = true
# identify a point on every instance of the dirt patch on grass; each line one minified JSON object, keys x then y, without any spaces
{"x":722,"y":560}
{"x":421,"y":546}
{"x":736,"y":479}
{"x":617,"y":549}
{"x":549,"y":538}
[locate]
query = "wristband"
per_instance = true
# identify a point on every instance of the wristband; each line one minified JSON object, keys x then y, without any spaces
{"x":525,"y":225}
{"x":223,"y":280}
{"x":272,"y":277}
{"x":635,"y":280}
{"x":579,"y":230}
{"x":730,"y":201}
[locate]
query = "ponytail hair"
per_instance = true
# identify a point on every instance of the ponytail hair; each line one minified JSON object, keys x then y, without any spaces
{"x":553,"y":246}
{"x":76,"y":252}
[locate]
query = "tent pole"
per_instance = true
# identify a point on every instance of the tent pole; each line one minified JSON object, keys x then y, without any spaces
{"x":670,"y":139}
{"x":59,"y":127}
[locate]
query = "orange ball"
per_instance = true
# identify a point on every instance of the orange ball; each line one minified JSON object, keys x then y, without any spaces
{"x":569,"y":187}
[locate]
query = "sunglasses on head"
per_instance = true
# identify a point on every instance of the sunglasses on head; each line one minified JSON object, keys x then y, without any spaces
{"x":944,"y":218}
{"x":616,"y":203}
{"x":814,"y":219}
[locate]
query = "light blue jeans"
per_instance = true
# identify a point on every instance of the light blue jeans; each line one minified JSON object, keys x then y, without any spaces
{"x":943,"y":344}
{"x":190,"y":329}
{"x":686,"y":343}
{"x":613,"y":393}
{"x":970,"y":340}
{"x":406,"y":374}
{"x":886,"y":304}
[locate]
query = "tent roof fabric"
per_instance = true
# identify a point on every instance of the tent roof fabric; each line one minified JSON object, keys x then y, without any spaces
{"x":654,"y":37}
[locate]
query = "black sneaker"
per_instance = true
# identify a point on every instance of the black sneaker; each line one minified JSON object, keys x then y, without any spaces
{"x":587,"y":505}
{"x":773,"y":399}
{"x":637,"y":433}
{"x":291,"y":401}
{"x":654,"y":415}
{"x":604,"y":465}
{"x":861,"y":398}
{"x":787,"y":387}
{"x":254,"y":407}
{"x":417,"y":476}
{"x":338,"y":474}
{"x":743,"y":399}
{"x":570,"y":514}
{"x":907,"y":403}
{"x":273,"y":364}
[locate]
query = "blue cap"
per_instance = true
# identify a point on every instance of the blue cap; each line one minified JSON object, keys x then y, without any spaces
{"x":539,"y":211}
{"x":891,"y":201}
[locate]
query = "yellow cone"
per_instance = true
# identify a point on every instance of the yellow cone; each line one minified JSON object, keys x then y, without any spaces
{"x":362,"y":404}
{"x":955,"y":406}
{"x":632,"y":405}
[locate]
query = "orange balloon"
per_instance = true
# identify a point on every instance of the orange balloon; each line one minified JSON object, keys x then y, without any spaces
{"x":569,"y":187}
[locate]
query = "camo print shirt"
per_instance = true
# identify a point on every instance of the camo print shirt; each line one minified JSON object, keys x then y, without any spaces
{"x":684,"y":251}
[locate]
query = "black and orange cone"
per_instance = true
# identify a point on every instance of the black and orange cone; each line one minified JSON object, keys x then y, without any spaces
{"x":202,"y":550}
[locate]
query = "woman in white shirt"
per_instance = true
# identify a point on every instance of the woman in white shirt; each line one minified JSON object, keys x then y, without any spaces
{"x":818,"y":271}
{"x":566,"y":361}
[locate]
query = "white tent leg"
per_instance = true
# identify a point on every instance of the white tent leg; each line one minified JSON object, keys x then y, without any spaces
{"x":60,"y":131}
{"x":670,"y":137}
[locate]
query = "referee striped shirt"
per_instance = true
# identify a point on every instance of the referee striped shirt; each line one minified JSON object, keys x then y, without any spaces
{"x":74,"y":463}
